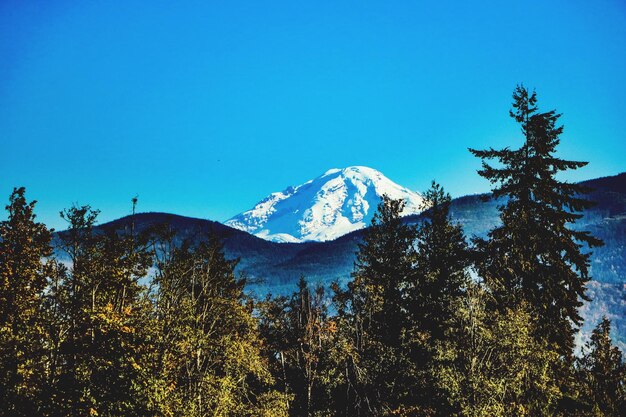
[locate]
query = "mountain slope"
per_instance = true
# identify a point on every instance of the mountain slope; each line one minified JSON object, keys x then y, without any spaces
{"x":285,"y":262}
{"x":325,"y":208}
{"x":276,"y":267}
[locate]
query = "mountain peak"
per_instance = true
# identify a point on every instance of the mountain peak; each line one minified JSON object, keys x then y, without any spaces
{"x":325,"y":208}
{"x":353,"y":169}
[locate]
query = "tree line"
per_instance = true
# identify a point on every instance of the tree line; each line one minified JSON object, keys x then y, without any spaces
{"x":431,"y":323}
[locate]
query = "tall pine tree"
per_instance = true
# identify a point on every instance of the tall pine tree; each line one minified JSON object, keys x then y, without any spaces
{"x":603,"y":373}
{"x":374,"y":310}
{"x":443,"y":259}
{"x":441,"y":278}
{"x":534,"y":255}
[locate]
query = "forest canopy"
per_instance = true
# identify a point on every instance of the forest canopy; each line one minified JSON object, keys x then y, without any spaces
{"x":431,"y":322}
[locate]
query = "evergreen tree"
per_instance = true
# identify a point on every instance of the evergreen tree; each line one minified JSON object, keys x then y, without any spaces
{"x":384,"y":266}
{"x":534,"y":255}
{"x":442,"y":275}
{"x":603,"y":373}
{"x":374,"y":310}
{"x":443,"y":259}
{"x":24,"y":247}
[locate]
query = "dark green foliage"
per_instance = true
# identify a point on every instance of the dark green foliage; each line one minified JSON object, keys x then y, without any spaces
{"x":443,"y":259}
{"x":534,"y":256}
{"x":298,"y":335}
{"x":433,"y":298}
{"x":374,"y":312}
{"x":384,"y":265}
{"x":603,"y":373}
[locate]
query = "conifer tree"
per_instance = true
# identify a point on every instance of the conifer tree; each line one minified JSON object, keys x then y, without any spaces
{"x":534,"y":255}
{"x":441,"y":278}
{"x":373,"y":308}
{"x":443,"y":260}
{"x":24,"y":247}
{"x":384,"y":265}
{"x":603,"y":373}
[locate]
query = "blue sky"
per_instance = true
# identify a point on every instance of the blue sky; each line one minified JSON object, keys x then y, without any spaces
{"x":203,"y":108}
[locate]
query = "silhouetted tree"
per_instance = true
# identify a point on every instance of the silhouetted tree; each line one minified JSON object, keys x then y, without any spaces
{"x":441,"y":278}
{"x":534,"y":255}
{"x":603,"y":373}
{"x":373,"y":309}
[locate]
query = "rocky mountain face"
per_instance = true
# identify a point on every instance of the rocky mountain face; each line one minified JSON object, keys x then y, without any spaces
{"x":336,"y":203}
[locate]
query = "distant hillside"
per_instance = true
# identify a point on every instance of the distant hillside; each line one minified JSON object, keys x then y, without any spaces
{"x":275,"y":267}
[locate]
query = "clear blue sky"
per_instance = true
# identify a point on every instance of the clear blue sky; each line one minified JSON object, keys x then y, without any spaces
{"x":203,"y":108}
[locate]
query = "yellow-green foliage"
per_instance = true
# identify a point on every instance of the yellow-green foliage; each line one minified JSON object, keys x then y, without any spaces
{"x":206,"y":354}
{"x":493,"y":365}
{"x":23,"y":272}
{"x":141,"y":324}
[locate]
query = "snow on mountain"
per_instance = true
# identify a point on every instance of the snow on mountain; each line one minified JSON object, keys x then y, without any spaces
{"x":329,"y":206}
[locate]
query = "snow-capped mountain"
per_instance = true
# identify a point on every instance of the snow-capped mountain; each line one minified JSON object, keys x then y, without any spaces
{"x":329,"y":206}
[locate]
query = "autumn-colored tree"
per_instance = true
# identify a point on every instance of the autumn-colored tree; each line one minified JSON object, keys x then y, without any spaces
{"x":492,"y":364}
{"x":206,"y":355}
{"x":24,"y":247}
{"x":298,"y":335}
{"x":99,"y":319}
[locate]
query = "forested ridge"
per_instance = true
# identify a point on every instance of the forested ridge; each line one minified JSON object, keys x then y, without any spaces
{"x":430,"y":323}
